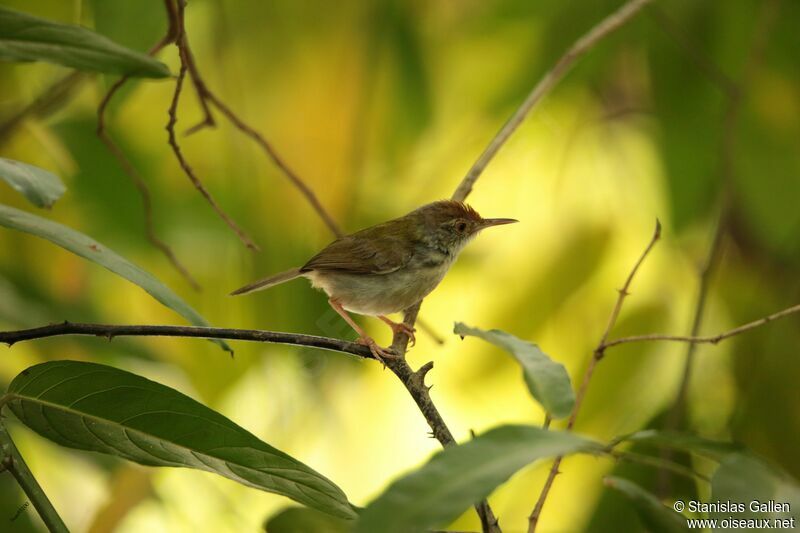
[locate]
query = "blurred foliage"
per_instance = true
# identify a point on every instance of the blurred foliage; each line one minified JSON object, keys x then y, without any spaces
{"x":382,"y":106}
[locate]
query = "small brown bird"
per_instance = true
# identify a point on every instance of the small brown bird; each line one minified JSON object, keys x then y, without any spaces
{"x":387,"y":268}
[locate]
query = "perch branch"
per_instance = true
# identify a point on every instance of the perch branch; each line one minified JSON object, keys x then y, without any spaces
{"x":550,"y":79}
{"x":597,"y":355}
{"x":128,"y":166}
{"x":414,"y":382}
{"x":109,"y":331}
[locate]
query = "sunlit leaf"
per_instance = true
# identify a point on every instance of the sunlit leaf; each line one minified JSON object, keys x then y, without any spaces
{"x":40,"y":187}
{"x":305,"y":520}
{"x":457,"y":477}
{"x":655,"y":516}
{"x":88,"y":248}
{"x":684,"y":442}
{"x":547,"y":380}
{"x":24,"y":37}
{"x":99,"y":408}
{"x":742,"y":478}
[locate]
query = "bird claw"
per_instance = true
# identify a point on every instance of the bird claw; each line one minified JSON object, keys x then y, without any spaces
{"x":408,"y":331}
{"x":377,"y":351}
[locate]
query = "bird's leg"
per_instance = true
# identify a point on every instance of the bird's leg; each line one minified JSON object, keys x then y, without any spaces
{"x":363,"y":338}
{"x":399,"y":327}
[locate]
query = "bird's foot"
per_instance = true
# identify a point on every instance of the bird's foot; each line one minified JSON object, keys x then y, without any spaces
{"x":399,"y":327}
{"x":380,"y":353}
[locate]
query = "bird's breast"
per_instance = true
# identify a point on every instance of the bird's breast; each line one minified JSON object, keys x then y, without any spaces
{"x":382,"y":294}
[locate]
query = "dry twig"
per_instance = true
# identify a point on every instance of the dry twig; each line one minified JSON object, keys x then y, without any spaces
{"x":208,"y":99}
{"x":185,"y":57}
{"x":128,"y":166}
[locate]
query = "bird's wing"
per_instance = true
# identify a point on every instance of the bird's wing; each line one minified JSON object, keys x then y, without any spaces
{"x":381,"y":249}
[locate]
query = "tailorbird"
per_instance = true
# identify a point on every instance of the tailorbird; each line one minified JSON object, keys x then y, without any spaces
{"x":389,"y":267}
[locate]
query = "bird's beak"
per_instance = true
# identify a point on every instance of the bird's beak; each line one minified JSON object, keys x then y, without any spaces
{"x":489,"y":222}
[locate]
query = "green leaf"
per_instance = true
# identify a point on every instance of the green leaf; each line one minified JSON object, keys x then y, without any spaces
{"x":88,"y":248}
{"x":27,"y":38}
{"x":99,"y":408}
{"x":655,"y":516}
{"x":305,"y":520}
{"x":742,"y":478}
{"x":682,"y":441}
{"x":40,"y":187}
{"x":458,"y":476}
{"x":547,"y":380}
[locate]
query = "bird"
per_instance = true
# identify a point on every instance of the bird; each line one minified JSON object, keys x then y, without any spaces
{"x":389,"y":267}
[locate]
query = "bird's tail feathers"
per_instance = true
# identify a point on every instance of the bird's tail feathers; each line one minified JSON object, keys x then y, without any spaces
{"x":268,"y":282}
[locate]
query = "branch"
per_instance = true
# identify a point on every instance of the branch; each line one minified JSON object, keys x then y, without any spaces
{"x":184,"y":54}
{"x":414,"y":382}
{"x":733,"y":91}
{"x":45,"y":104}
{"x":208,"y":98}
{"x":127,"y":165}
{"x":550,"y":79}
{"x":710,"y":339}
{"x":11,"y":460}
{"x":711,"y":70}
{"x":110,"y":331}
{"x":597,"y":355}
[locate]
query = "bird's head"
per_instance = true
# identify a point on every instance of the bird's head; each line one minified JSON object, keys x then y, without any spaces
{"x":450,"y":225}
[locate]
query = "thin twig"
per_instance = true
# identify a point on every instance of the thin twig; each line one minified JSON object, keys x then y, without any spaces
{"x":109,"y":331}
{"x":709,"y":339}
{"x":708,"y":67}
{"x":550,"y":79}
{"x":173,"y":140}
{"x":208,"y":98}
{"x":428,"y":329}
{"x":597,"y":355}
{"x":734,"y":92}
{"x":301,"y":185}
{"x":128,"y":166}
{"x":659,"y":463}
{"x":46,"y":103}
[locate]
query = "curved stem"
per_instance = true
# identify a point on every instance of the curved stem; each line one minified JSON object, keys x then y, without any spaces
{"x":11,"y":459}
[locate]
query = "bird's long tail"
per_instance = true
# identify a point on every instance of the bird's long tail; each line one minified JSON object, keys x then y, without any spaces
{"x":266,"y":283}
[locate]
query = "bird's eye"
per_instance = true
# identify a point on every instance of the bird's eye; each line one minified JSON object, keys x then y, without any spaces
{"x":461,"y":227}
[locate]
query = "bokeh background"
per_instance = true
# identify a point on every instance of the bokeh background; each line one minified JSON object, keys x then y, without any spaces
{"x":383,"y":106}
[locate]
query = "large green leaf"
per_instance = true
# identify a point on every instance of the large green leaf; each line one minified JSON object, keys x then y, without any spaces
{"x":742,"y":479}
{"x":27,"y":38}
{"x":655,"y":516}
{"x":305,"y":520}
{"x":99,"y":408}
{"x":683,"y":441}
{"x":547,"y":380}
{"x":88,"y":248}
{"x":458,"y":476}
{"x":40,"y":187}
